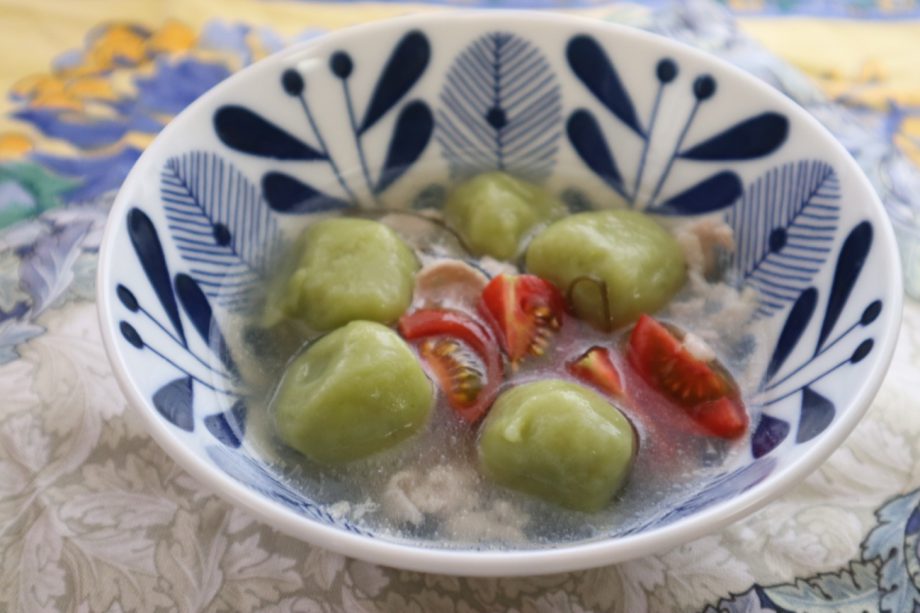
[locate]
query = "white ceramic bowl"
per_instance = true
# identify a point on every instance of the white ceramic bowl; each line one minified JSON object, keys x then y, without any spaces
{"x":386,"y":115}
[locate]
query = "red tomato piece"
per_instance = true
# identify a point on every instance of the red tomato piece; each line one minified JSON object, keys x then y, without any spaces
{"x":724,"y":417}
{"x":460,"y":355}
{"x":700,"y":388}
{"x":596,"y":368}
{"x":525,"y":311}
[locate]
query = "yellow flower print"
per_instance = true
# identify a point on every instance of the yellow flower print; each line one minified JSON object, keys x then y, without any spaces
{"x":172,"y":37}
{"x":14,"y":146}
{"x":908,"y":139}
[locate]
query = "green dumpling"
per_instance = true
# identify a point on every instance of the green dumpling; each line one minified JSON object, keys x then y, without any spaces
{"x":560,"y":441}
{"x":494,"y":212}
{"x":641,"y":264}
{"x":343,"y":270}
{"x":355,"y":391}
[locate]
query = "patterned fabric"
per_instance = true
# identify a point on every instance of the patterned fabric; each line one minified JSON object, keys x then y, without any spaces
{"x":862,"y":9}
{"x":95,"y":517}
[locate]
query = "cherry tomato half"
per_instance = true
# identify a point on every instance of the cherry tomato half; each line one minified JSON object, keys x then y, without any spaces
{"x":460,"y":355}
{"x":595,"y":367}
{"x":525,"y":312}
{"x":702,"y":389}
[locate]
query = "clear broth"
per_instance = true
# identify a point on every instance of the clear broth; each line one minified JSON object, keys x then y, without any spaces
{"x":671,"y":463}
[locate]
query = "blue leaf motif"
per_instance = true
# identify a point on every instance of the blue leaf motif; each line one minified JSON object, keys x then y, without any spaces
{"x":894,"y":542}
{"x":406,"y":64}
{"x":285,"y":194}
{"x":175,"y":401}
{"x":130,"y":334}
{"x":228,"y":427}
{"x":770,"y":432}
{"x":588,"y":140}
{"x":750,"y":139}
{"x":712,"y":194}
{"x":247,"y":131}
{"x":590,"y":64}
{"x":199,"y":312}
{"x":785,"y":223}
{"x":501,"y":109}
{"x":149,"y":250}
{"x":127,"y":298}
{"x":221,"y":225}
{"x":817,"y":414}
{"x":410,"y":137}
{"x":796,"y":323}
{"x":849,"y":264}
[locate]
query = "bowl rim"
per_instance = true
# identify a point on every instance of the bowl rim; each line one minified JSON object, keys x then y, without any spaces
{"x":483,"y":563}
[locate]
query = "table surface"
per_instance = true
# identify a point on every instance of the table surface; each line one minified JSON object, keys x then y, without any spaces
{"x":95,"y":517}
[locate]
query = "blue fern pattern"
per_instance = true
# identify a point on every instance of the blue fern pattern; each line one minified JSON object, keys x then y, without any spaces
{"x":247,"y":131}
{"x":751,"y":138}
{"x":785,"y":222}
{"x":220,"y":223}
{"x":817,"y":411}
{"x":501,"y":109}
{"x":175,"y":400}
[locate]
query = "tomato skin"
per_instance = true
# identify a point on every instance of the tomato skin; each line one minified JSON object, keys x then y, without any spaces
{"x":524,"y":311}
{"x":696,"y":387}
{"x":596,"y":368}
{"x":660,"y":358}
{"x":724,"y":417}
{"x":441,"y":322}
{"x":435,"y":331}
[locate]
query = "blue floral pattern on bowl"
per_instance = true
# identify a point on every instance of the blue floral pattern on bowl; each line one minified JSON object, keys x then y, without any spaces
{"x":339,"y":125}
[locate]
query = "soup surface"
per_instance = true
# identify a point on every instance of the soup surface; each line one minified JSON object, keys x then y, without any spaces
{"x":477,"y":375}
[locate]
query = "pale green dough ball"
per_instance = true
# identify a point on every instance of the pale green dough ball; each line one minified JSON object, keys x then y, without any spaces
{"x":494,"y":213}
{"x":347,"y":269}
{"x":559,"y":441}
{"x":640,"y":262}
{"x":354,"y":392}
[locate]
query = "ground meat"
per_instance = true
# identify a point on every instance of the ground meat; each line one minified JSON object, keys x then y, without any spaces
{"x":706,"y":244}
{"x":501,"y":522}
{"x":353,"y":511}
{"x":451,"y":493}
{"x":714,"y":309}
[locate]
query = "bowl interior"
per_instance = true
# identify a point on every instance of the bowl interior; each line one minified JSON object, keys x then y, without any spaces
{"x":387,"y":117}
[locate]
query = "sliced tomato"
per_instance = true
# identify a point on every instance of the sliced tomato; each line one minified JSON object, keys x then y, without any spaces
{"x":525,"y":311}
{"x":724,"y":417}
{"x":662,"y":360}
{"x":702,"y":389}
{"x":460,"y":355}
{"x":595,"y":367}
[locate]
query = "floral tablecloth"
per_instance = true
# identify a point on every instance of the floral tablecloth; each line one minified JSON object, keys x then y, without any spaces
{"x":95,"y":517}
